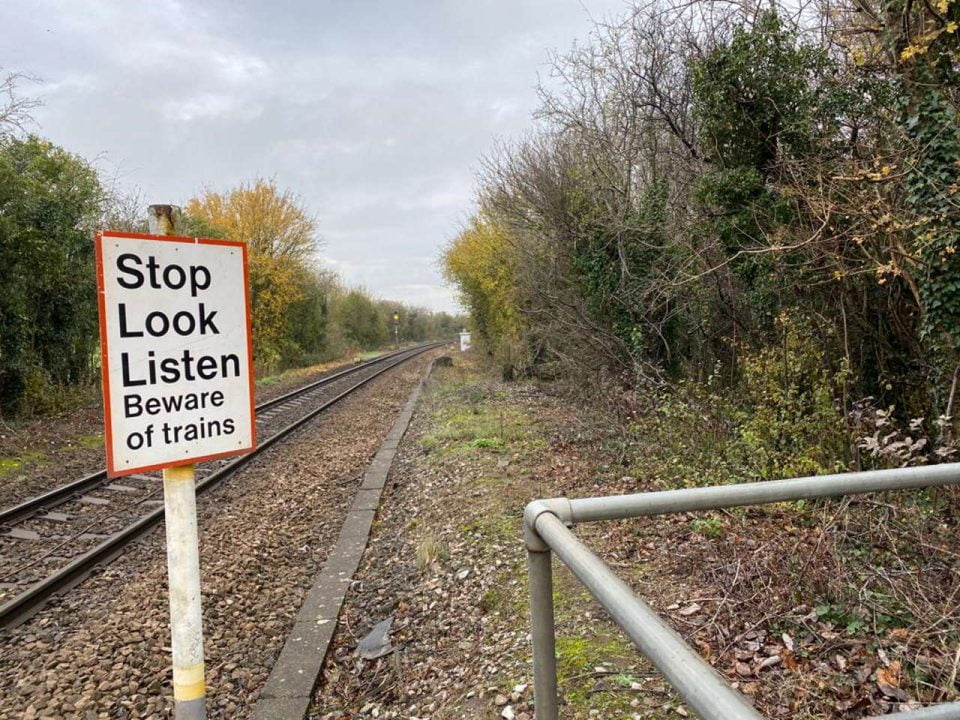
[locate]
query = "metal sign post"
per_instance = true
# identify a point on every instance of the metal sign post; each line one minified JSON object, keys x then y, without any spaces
{"x":183,"y":560}
{"x":177,"y":367}
{"x":183,"y":572}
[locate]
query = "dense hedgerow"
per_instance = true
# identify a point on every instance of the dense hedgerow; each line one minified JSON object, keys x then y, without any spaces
{"x":742,"y":224}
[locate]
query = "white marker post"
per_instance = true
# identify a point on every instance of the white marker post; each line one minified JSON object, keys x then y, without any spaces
{"x":178,"y":388}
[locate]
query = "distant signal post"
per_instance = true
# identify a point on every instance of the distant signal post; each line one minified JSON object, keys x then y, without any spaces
{"x":178,"y":389}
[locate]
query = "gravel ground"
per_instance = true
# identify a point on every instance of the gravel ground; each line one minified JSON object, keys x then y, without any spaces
{"x":101,"y":651}
{"x":47,"y":452}
{"x":25,"y":561}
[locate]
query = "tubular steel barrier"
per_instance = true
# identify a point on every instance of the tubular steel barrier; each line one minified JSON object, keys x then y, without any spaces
{"x":546,"y":530}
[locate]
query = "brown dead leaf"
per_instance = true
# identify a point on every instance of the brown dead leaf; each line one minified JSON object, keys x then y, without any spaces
{"x":900,"y":634}
{"x":855,"y":703}
{"x":889,"y":675}
{"x":888,"y":680}
{"x":789,"y":659}
{"x":690,"y":609}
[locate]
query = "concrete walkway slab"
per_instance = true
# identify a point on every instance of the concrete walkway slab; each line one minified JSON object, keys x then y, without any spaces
{"x":289,"y":688}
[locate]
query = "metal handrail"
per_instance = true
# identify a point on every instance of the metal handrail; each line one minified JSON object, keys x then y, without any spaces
{"x":546,"y":531}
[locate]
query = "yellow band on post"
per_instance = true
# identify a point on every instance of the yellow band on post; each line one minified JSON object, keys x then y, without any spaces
{"x":188,"y":683}
{"x":178,"y":473}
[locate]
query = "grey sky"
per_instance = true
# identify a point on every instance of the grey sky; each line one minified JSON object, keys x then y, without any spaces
{"x":375,"y":113}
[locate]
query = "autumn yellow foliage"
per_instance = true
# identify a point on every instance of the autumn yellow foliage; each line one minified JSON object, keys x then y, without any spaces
{"x":281,"y":241}
{"x":481,"y":262}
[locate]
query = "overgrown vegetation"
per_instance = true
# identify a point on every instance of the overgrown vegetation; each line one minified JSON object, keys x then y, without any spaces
{"x":52,"y":201}
{"x":740,"y":226}
{"x":737,"y":227}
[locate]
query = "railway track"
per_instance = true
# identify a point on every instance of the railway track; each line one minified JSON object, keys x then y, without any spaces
{"x":90,"y":521}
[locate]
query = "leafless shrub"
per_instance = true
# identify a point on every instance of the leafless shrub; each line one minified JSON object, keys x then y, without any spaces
{"x":15,"y":110}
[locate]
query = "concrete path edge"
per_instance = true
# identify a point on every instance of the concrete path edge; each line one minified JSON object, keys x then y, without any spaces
{"x":289,"y":688}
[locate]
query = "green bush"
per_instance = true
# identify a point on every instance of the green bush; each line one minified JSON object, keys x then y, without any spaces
{"x":788,"y":424}
{"x":50,"y":201}
{"x":777,"y":418}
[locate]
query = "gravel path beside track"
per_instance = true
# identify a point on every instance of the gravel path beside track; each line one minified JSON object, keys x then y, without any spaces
{"x":102,"y":650}
{"x":446,"y":562}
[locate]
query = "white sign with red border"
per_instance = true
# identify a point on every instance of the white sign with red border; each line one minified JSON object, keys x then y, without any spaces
{"x":176,"y":350}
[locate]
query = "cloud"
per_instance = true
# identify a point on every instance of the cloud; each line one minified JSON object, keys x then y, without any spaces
{"x":375,"y":113}
{"x":207,"y":105}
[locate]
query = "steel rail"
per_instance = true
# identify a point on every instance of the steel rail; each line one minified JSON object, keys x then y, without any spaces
{"x":22,"y":606}
{"x":57,"y":496}
{"x":16,"y":513}
{"x":326,"y":379}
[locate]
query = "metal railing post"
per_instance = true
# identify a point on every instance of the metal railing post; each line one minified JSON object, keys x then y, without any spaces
{"x":702,"y":688}
{"x":541,"y":630}
{"x":540,"y":568}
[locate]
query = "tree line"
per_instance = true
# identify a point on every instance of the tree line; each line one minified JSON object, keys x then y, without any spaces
{"x":746,"y":213}
{"x":51,"y":203}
